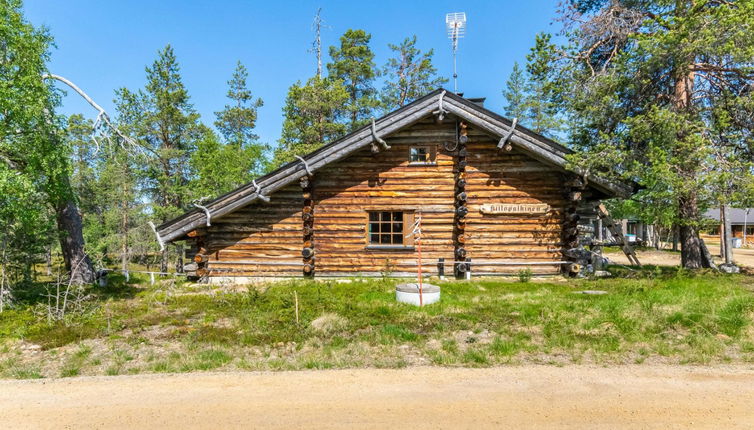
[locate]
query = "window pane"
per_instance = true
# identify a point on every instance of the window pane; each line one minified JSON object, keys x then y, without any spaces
{"x":397,"y":216}
{"x":398,"y":227}
{"x":397,"y":239}
{"x":374,"y":238}
{"x":418,"y":154}
{"x":374,"y":227}
{"x":384,"y":216}
{"x":385,"y":239}
{"x":386,"y":228}
{"x":374,"y":216}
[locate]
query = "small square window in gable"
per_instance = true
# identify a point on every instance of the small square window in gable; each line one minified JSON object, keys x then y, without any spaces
{"x":422,"y":154}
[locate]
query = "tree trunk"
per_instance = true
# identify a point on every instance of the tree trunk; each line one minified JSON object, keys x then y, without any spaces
{"x":164,"y":260}
{"x":77,"y":262}
{"x":692,"y":256}
{"x":179,"y":260}
{"x":124,"y":239}
{"x":48,"y":260}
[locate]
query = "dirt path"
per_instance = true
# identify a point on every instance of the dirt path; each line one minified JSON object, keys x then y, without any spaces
{"x":741,"y":256}
{"x":510,"y":397}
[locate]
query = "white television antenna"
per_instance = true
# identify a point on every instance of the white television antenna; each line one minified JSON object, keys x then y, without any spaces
{"x":455,"y":22}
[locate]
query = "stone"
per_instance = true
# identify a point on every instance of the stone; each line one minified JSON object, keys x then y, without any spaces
{"x":729,"y":268}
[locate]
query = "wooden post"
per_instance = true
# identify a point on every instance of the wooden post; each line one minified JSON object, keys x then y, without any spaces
{"x":728,"y":256}
{"x":441,"y":268}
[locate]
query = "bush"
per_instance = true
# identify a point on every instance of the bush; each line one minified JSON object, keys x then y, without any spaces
{"x":524,"y":275}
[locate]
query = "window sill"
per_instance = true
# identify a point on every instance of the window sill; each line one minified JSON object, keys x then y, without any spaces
{"x":389,"y":248}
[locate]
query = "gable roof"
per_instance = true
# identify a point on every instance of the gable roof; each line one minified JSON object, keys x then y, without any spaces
{"x":533,"y":144}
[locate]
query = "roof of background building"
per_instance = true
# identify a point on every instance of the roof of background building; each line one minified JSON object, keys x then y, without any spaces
{"x":737,"y":215}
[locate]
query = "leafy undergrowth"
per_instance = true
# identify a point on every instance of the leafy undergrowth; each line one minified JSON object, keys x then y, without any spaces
{"x":656,"y":315}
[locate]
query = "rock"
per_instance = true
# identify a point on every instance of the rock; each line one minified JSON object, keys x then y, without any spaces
{"x":592,"y":292}
{"x":729,"y":268}
{"x":329,"y":323}
{"x":601,"y":274}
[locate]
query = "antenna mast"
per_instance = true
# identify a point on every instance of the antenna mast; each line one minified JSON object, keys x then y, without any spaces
{"x":317,"y":26}
{"x":455,"y":23}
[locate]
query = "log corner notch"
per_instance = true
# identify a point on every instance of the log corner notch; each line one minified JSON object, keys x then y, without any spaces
{"x":377,"y":139}
{"x":460,"y":268}
{"x":198,"y":254}
{"x":574,"y":188}
{"x":307,"y":218}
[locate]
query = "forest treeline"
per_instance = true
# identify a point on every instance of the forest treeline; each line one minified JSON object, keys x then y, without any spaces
{"x":655,"y":92}
{"x":88,"y":195}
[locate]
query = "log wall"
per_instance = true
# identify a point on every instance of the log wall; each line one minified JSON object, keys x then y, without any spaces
{"x":266,"y":239}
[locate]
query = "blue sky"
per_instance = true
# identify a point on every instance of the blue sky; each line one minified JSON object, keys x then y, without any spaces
{"x":103,"y":45}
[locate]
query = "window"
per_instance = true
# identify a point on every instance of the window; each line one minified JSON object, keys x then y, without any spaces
{"x":388,"y":228}
{"x":421,"y":154}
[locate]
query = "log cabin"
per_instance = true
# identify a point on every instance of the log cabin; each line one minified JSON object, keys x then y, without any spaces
{"x":493,"y":198}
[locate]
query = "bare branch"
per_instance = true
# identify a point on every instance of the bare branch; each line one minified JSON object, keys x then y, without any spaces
{"x":102,"y":125}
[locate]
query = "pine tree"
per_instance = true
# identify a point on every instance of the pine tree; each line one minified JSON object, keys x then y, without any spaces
{"x":164,"y":121}
{"x":410,"y":75}
{"x":222,"y":166}
{"x":660,"y":92}
{"x":353,"y":64}
{"x":544,"y":88}
{"x":236,"y":121}
{"x":515,"y":94}
{"x":310,"y":113}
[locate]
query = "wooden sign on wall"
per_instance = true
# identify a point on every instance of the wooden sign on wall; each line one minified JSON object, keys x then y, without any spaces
{"x":515,"y":208}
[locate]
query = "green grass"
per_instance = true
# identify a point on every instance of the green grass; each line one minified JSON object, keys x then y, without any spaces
{"x":658,"y":314}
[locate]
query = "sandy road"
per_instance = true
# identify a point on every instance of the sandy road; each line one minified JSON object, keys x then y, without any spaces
{"x":645,"y":396}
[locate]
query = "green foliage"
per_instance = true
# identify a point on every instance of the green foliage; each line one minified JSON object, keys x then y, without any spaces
{"x":353,"y":64}
{"x":310,"y":117}
{"x":515,"y":94}
{"x":34,"y":168}
{"x":409,"y":75}
{"x":660,"y":97}
{"x":534,"y":97}
{"x":163,"y":120}
{"x":524,"y":275}
{"x":544,"y":87}
{"x":236,"y":124}
{"x":222,"y":166}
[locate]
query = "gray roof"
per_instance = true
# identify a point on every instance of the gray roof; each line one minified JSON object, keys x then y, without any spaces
{"x":737,"y":215}
{"x":529,"y":142}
